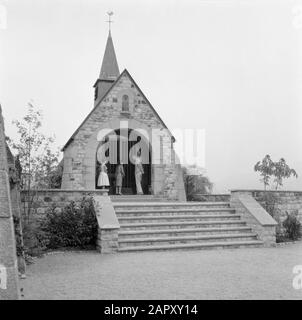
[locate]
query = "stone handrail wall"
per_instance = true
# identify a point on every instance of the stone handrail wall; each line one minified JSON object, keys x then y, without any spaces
{"x":255,"y":216}
{"x":285,"y":201}
{"x":107,"y":241}
{"x":223,"y":197}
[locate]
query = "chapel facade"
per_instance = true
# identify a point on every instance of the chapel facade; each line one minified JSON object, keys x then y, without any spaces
{"x":122,"y":123}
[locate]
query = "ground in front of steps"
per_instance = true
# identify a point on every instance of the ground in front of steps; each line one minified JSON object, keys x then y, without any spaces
{"x":249,"y":273}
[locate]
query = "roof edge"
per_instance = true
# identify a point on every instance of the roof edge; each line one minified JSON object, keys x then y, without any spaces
{"x":125,"y":71}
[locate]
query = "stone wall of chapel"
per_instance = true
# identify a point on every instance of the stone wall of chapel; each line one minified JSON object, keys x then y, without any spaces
{"x":79,"y":173}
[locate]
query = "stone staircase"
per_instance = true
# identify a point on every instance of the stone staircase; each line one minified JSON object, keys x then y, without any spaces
{"x":159,"y":225}
{"x":135,"y":198}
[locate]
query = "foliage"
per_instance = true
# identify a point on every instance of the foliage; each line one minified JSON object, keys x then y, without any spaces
{"x":282,"y":171}
{"x":292,"y":226}
{"x":265,"y":167}
{"x":74,"y":226}
{"x":35,"y":240}
{"x":34,"y":150}
{"x":18,"y":237}
{"x":195,"y":182}
{"x":268,"y":168}
{"x":269,"y":202}
{"x":36,"y":163}
{"x":54,"y":178}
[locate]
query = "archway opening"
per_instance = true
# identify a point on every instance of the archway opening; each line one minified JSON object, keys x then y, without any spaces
{"x":118,"y":148}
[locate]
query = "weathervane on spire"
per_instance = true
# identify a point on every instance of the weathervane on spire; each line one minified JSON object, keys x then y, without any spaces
{"x":110,"y":13}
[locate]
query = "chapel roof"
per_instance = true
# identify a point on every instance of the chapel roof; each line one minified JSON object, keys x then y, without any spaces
{"x":111,"y":75}
{"x":125,"y":72}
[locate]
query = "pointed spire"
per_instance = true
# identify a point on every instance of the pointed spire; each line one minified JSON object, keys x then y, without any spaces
{"x":109,"y":70}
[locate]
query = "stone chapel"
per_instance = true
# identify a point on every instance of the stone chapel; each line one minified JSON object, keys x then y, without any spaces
{"x":122,"y":118}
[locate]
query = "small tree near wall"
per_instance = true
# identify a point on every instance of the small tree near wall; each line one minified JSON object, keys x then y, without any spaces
{"x":35,"y":154}
{"x":290,"y":227}
{"x":282,"y":171}
{"x":279,"y":170}
{"x":266,"y":168}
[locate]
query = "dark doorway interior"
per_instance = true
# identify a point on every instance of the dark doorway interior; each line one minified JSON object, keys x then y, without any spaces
{"x":123,"y":145}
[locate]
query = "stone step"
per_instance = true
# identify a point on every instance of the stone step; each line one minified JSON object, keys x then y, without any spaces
{"x":136,"y":198}
{"x":178,"y":218}
{"x":120,"y":206}
{"x":160,"y":211}
{"x":182,"y":224}
{"x":182,"y":231}
{"x":129,"y":242}
{"x":196,"y":246}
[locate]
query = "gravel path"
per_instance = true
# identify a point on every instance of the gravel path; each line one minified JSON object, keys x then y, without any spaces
{"x":255,"y":273}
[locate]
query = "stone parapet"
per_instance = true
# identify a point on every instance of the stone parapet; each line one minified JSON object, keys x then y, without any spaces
{"x":224,"y":197}
{"x":107,"y":241}
{"x":108,"y":225}
{"x":60,"y":198}
{"x":255,"y":216}
{"x":285,"y":201}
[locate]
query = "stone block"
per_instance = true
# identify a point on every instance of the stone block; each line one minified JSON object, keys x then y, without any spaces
{"x":108,"y":241}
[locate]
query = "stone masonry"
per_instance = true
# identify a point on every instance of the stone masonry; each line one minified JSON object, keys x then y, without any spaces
{"x":108,"y":224}
{"x":285,"y":201}
{"x":80,"y":152}
{"x":107,"y":241}
{"x":45,"y":199}
{"x":9,"y":288}
{"x":255,"y":216}
{"x":14,"y":181}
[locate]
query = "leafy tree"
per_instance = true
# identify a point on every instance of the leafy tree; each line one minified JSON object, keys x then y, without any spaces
{"x":34,"y":152}
{"x":49,"y":173}
{"x":196,"y":182}
{"x":266,"y":169}
{"x":55,"y":177}
{"x":282,"y":171}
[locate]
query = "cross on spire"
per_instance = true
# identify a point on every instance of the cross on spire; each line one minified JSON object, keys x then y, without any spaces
{"x":109,"y":69}
{"x":110,"y":13}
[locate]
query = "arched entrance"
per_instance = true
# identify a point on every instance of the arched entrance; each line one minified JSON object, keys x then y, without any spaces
{"x":118,"y":148}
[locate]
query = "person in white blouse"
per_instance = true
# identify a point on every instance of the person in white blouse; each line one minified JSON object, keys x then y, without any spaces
{"x":103,"y":180}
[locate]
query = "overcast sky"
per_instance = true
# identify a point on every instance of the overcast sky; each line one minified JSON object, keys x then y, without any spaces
{"x":230,"y":67}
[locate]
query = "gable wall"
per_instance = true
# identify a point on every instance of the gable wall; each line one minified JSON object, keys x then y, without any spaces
{"x":79,"y":156}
